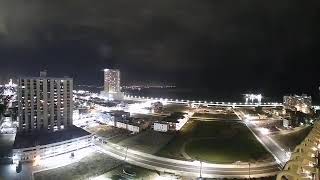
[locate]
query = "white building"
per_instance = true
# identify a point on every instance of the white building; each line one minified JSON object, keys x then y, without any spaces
{"x":286,"y":123}
{"x":133,"y":128}
{"x":161,"y":126}
{"x":112,"y":84}
{"x":106,"y":118}
{"x":46,"y":119}
{"x":45,"y":103}
{"x":43,"y":145}
{"x":121,"y":125}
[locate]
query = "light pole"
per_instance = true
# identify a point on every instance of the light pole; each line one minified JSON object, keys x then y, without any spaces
{"x":125,"y":158}
{"x":200,"y":169}
{"x":249,"y":170}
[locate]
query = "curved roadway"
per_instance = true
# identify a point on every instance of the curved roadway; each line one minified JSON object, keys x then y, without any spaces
{"x":188,"y":168}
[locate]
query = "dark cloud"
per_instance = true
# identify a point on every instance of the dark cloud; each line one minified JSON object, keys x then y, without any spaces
{"x":218,"y":44}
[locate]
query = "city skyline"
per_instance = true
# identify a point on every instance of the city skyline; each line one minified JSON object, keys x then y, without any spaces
{"x":159,"y":89}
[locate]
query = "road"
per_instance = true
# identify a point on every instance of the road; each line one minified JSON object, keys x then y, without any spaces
{"x":279,"y":153}
{"x":188,"y":168}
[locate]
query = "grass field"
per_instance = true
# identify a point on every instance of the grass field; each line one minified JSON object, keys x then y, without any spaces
{"x":229,"y":116}
{"x":215,"y":142}
{"x":115,"y":134}
{"x":291,"y":140}
{"x":147,"y":141}
{"x":117,"y":173}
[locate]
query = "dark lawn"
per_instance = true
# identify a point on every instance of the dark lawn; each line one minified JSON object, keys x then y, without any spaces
{"x":216,"y":142}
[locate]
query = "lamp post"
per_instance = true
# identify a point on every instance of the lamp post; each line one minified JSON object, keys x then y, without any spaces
{"x":200,"y":169}
{"x":125,"y":158}
{"x":249,"y":169}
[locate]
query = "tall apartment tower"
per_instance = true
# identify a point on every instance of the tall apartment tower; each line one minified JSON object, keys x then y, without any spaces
{"x":45,"y":103}
{"x":112,"y":80}
{"x":112,"y":85}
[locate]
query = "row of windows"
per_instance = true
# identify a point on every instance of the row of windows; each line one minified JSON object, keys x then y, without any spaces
{"x":49,"y":122}
{"x":28,"y":93}
{"x":55,"y":81}
{"x":42,"y":105}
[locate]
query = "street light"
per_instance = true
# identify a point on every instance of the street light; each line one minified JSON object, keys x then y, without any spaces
{"x":125,"y":157}
{"x":198,"y":160}
{"x":249,"y":170}
{"x":200,"y":169}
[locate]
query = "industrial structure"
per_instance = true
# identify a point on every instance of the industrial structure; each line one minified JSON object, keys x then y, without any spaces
{"x":251,"y":98}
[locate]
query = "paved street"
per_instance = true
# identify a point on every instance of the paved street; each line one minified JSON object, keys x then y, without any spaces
{"x":275,"y":149}
{"x":272,"y":146}
{"x":189,"y":168}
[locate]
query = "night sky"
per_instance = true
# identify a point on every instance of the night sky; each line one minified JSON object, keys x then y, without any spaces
{"x":225,"y":46}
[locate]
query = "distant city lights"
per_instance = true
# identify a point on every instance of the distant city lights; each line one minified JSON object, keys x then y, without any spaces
{"x":251,"y":98}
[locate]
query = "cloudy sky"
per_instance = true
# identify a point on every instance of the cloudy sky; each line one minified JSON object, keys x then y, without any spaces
{"x":224,"y":45}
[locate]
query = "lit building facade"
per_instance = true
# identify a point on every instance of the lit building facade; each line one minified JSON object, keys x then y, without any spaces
{"x":45,"y":110}
{"x":300,"y":103}
{"x":112,"y":90}
{"x":45,"y":103}
{"x":112,"y":80}
{"x":161,"y":126}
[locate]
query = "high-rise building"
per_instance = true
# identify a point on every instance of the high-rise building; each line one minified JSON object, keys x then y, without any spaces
{"x":45,"y":103}
{"x":111,"y":80}
{"x":112,"y":85}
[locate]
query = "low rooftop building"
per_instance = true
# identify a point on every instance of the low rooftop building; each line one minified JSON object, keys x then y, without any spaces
{"x":28,"y":146}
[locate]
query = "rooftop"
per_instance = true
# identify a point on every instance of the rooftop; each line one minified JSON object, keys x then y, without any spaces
{"x":25,"y":140}
{"x":44,"y":78}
